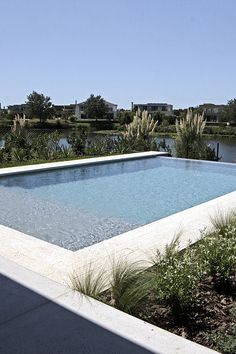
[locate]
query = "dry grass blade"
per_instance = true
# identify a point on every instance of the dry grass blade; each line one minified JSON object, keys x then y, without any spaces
{"x":221,"y":220}
{"x":128,"y":286}
{"x":91,"y":283}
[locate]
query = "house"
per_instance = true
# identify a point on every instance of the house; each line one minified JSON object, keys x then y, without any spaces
{"x":165,"y":108}
{"x":17,"y":109}
{"x":212,"y":112}
{"x":66,"y":110}
{"x":80,"y":114}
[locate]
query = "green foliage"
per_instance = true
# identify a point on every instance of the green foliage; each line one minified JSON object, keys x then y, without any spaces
{"x":100,"y":146}
{"x":170,"y":129}
{"x":230,"y":111}
{"x":121,"y":145}
{"x":39,"y":106}
{"x":217,"y":254}
{"x":158,"y":117}
{"x":220,"y":130}
{"x":83,"y":128}
{"x":189,"y":141}
{"x":174,"y":278}
{"x":77,"y":142}
{"x":95,"y":107}
{"x":125,"y":117}
{"x":22,"y":146}
{"x":73,"y":119}
{"x":224,"y":342}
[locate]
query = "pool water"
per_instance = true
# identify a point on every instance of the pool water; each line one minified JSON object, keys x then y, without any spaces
{"x":77,"y":207}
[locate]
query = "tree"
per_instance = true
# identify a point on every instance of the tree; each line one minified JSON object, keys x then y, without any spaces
{"x":39,"y":106}
{"x":230,"y":111}
{"x":95,"y":108}
{"x":125,"y":116}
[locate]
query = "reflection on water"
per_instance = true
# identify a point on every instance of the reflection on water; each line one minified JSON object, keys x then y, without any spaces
{"x":227,"y":150}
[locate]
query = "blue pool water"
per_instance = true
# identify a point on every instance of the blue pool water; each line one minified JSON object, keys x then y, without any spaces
{"x":76,"y":207}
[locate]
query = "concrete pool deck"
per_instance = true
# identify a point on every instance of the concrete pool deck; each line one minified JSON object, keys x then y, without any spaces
{"x":38,"y":315}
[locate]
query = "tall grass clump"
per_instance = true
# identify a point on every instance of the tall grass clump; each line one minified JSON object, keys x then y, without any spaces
{"x":222,"y":220}
{"x":128,"y":286}
{"x":189,"y":141}
{"x":139,"y":132}
{"x":90,"y":284}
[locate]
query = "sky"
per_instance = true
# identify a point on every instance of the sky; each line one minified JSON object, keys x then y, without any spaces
{"x":181,"y":52}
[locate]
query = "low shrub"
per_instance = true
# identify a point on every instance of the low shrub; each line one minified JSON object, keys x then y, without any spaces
{"x":100,"y":146}
{"x":121,"y":145}
{"x":223,"y":341}
{"x":217,"y":254}
{"x":77,"y":143}
{"x":174,"y":278}
{"x":73,"y":119}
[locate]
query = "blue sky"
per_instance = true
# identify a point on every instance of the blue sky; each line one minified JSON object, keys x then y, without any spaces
{"x":176,"y":51}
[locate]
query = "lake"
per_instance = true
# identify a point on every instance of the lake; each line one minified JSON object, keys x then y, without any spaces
{"x":227,"y":147}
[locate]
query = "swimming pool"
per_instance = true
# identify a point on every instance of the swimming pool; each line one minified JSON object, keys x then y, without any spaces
{"x":77,"y":207}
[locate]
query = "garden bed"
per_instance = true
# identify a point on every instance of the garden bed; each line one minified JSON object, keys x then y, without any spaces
{"x":210,"y":322}
{"x":191,"y":293}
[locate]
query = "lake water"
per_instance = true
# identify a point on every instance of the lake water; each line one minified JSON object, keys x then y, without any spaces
{"x":227,"y":147}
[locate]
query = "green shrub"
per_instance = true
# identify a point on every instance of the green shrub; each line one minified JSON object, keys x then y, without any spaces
{"x":73,"y":119}
{"x":77,"y":143}
{"x":100,"y":146}
{"x":174,"y":278}
{"x":216,"y":252}
{"x":121,"y":145}
{"x":224,"y":342}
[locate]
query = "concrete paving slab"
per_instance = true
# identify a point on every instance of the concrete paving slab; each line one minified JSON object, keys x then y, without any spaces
{"x":65,"y":322}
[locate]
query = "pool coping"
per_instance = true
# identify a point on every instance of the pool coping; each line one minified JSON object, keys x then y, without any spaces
{"x":6,"y":171}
